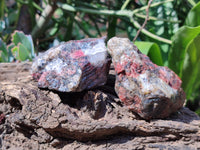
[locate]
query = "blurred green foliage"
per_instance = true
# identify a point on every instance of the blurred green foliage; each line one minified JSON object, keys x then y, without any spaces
{"x":152,"y":50}
{"x":170,"y":38}
{"x":21,"y":48}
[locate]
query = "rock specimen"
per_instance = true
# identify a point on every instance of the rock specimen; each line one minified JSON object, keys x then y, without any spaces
{"x":147,"y":89}
{"x":2,"y":118}
{"x":73,"y":66}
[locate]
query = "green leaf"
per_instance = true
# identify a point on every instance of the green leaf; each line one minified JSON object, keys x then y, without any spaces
{"x":54,"y":30}
{"x":23,"y":53}
{"x":3,"y":47}
{"x":2,"y":57}
{"x":191,"y":67}
{"x":2,"y":25}
{"x":178,"y":50}
{"x":20,"y":52}
{"x":9,"y":48}
{"x":58,"y":13}
{"x":2,"y":7}
{"x":152,"y":50}
{"x":112,"y":23}
{"x":25,"y":40}
{"x":15,"y":53}
{"x":3,"y":52}
{"x":198,"y":111}
{"x":193,"y":17}
{"x":12,"y":15}
{"x":32,"y":51}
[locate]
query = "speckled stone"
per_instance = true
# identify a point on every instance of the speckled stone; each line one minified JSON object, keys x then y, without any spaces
{"x":149,"y":90}
{"x":73,"y":66}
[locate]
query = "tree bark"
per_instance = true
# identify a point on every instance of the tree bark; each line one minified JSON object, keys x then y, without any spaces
{"x":33,"y":118}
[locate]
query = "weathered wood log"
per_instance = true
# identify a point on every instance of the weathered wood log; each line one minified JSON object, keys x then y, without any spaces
{"x":33,"y":118}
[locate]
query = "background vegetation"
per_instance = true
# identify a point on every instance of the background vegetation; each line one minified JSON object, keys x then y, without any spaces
{"x":170,"y":38}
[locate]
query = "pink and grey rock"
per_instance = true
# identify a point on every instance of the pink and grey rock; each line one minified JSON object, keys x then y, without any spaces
{"x":149,"y":90}
{"x":73,"y":66}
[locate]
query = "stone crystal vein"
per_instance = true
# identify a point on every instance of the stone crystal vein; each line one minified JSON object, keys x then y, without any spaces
{"x":73,"y":66}
{"x":147,"y":89}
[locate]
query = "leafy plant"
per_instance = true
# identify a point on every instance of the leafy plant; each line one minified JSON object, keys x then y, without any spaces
{"x":193,"y":17}
{"x":3,"y":52}
{"x":21,"y":48}
{"x":152,"y":50}
{"x":184,"y":56}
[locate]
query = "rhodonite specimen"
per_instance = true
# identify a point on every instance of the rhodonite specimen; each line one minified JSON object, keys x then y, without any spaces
{"x":73,"y":66}
{"x":149,"y":90}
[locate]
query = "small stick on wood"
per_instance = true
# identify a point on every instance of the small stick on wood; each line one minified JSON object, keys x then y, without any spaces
{"x":145,"y":21}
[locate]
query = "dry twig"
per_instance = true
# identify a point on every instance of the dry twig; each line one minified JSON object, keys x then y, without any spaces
{"x":145,"y":21}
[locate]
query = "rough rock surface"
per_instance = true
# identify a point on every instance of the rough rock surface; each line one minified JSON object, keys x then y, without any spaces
{"x":149,"y":90}
{"x":37,"y":119}
{"x":73,"y":66}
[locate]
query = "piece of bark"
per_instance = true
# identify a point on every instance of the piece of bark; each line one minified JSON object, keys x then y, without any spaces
{"x":43,"y":119}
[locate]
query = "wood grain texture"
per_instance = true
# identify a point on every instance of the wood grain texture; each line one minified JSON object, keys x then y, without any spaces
{"x":95,"y":119}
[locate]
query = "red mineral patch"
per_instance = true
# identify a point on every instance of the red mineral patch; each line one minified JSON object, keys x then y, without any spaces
{"x":119,"y":67}
{"x":138,"y":83}
{"x":77,"y":54}
{"x":68,"y":68}
{"x":122,"y":94}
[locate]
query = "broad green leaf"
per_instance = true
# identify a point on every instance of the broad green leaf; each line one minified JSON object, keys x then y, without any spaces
{"x":193,"y":17}
{"x":20,"y":52}
{"x":23,"y":53}
{"x":3,"y":52}
{"x":152,"y":50}
{"x":32,"y":52}
{"x":191,"y":67}
{"x":26,"y":41}
{"x":2,"y":57}
{"x":3,"y":47}
{"x":178,"y":49}
{"x":12,"y":15}
{"x":15,"y":53}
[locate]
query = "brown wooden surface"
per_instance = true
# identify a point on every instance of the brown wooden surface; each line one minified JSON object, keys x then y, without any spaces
{"x":42,"y":119}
